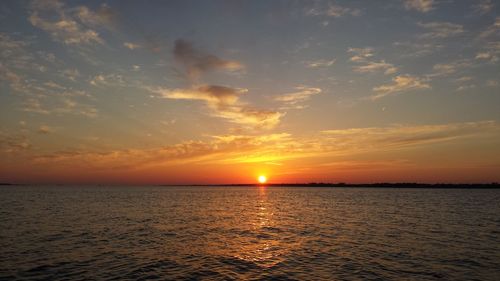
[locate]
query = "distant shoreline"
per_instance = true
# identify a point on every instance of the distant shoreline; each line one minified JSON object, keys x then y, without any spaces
{"x":370,"y":185}
{"x":493,"y":185}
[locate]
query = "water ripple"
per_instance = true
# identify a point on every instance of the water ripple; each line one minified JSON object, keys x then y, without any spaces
{"x":248,"y":233}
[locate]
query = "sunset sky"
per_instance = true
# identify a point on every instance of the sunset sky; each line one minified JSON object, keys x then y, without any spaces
{"x":149,"y":92}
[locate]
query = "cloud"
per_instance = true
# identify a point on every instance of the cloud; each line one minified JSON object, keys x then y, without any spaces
{"x":492,"y":30}
{"x":44,"y":129}
{"x":38,"y":93}
{"x":463,"y":79}
{"x":484,"y":55}
{"x":54,"y":85}
{"x":418,"y":49}
{"x":64,"y":105}
{"x":107,"y":80}
{"x":319,"y":63}
{"x":131,"y":46}
{"x":15,"y":81}
{"x":466,"y":87}
{"x":360,"y":54}
{"x":7,"y":43}
{"x":441,"y":29}
{"x":301,"y":95}
{"x":196,"y":62}
{"x":16,"y":55}
{"x":401,"y":136}
{"x":216,"y":96}
{"x":275,"y":148}
{"x":71,"y":74}
{"x":71,"y":106}
{"x":13,"y":143}
{"x":333,"y":10}
{"x":483,"y":7}
{"x":423,"y":6}
{"x":444,"y":69}
{"x":490,"y":52}
{"x":339,"y":11}
{"x":363,"y":56}
{"x":492,"y":83}
{"x":70,"y":26}
{"x":400,"y":83}
{"x":219,"y":149}
{"x":34,"y":105}
{"x":372,"y":66}
{"x":104,"y":16}
{"x":225,"y":102}
{"x":367,"y":165}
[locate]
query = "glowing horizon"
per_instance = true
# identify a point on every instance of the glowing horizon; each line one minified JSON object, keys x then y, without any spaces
{"x":327,"y":91}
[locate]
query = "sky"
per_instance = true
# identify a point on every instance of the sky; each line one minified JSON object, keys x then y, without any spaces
{"x":206,"y":92}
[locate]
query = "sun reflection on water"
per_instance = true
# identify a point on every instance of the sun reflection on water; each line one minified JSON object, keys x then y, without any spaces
{"x":265,"y":247}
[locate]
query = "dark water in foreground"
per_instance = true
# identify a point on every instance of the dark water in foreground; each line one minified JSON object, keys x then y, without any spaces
{"x":225,"y":233}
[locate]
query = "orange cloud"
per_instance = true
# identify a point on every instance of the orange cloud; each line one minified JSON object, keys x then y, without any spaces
{"x":225,"y":102}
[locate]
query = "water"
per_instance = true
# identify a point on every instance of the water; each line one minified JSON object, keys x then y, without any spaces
{"x":226,"y":233}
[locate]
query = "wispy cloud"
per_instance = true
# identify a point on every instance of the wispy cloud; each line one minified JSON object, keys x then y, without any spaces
{"x":215,"y":96}
{"x":13,"y":143}
{"x":132,"y":46}
{"x":43,"y":93}
{"x":332,"y":10}
{"x":492,"y":83}
{"x":107,"y":80}
{"x":360,"y":54}
{"x":483,"y":7}
{"x":466,"y":87}
{"x":104,"y":16}
{"x":444,"y":69}
{"x":463,"y":79}
{"x":400,"y":136}
{"x":373,"y":66}
{"x":15,"y":81}
{"x":62,"y":24}
{"x":301,"y":95}
{"x":423,"y":6}
{"x":319,"y":63}
{"x":417,"y":49}
{"x":225,"y":102}
{"x":279,"y":147}
{"x":16,"y":55}
{"x":364,"y":56}
{"x":64,"y":105}
{"x":491,"y":30}
{"x":44,"y":129}
{"x":490,"y":52}
{"x":35,"y":106}
{"x":7,"y":43}
{"x":441,"y":29}
{"x":71,"y":74}
{"x":219,"y":149}
{"x":197,"y":62}
{"x":400,"y":83}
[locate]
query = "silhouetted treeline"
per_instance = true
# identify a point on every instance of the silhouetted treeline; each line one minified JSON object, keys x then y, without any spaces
{"x":374,"y":185}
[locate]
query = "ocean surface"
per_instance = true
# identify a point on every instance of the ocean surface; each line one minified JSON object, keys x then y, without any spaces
{"x":248,"y":233}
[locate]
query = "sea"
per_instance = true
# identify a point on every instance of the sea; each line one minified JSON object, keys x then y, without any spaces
{"x":248,"y":233}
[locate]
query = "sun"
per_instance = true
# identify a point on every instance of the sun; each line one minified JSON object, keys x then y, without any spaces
{"x":262,"y":179}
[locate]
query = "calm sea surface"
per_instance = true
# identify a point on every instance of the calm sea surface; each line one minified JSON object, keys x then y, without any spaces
{"x":227,"y":233}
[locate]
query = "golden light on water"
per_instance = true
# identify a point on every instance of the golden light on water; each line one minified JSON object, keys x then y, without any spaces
{"x":262,"y":179}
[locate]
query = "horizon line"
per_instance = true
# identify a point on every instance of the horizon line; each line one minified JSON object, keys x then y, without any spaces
{"x":283,"y":184}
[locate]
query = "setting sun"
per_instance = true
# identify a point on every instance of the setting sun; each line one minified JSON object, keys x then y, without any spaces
{"x":262,"y":179}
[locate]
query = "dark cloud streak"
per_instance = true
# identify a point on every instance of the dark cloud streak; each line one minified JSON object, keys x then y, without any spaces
{"x":197,"y":62}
